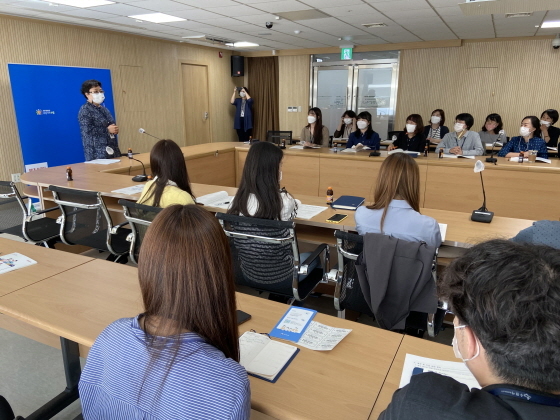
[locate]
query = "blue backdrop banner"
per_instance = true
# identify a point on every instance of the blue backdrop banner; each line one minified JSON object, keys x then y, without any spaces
{"x":47,"y":100}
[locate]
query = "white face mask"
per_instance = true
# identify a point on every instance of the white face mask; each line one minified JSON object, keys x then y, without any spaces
{"x":458,"y":127}
{"x":547,"y":123}
{"x":362,"y":124}
{"x":410,"y":128}
{"x":524,"y":131}
{"x":311,"y":119}
{"x":435,"y":119}
{"x":242,"y":94}
{"x":456,"y":350}
{"x":98,"y":98}
{"x":347,"y":120}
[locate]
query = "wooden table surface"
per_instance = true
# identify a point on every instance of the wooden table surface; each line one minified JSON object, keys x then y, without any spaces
{"x":411,"y":345}
{"x":49,"y":263}
{"x":344,"y":383}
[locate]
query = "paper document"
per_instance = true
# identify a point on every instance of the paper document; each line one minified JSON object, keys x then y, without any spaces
{"x":449,"y":155}
{"x":408,"y":152}
{"x":554,"y":149}
{"x":497,"y":144}
{"x":297,"y":147}
{"x":306,"y":211}
{"x":322,"y":337}
{"x":219,"y":199}
{"x":526,"y":160}
{"x":442,"y":230}
{"x":104,"y":161}
{"x":455,"y":370}
{"x":135,"y":189}
{"x":11,"y":262}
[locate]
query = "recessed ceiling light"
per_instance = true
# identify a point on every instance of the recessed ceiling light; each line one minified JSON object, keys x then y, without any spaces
{"x":516,"y":15}
{"x":241,"y":44}
{"x":81,"y":3}
{"x":552,"y":24}
{"x":374,"y":25}
{"x":157,"y":18}
{"x":193,"y":36}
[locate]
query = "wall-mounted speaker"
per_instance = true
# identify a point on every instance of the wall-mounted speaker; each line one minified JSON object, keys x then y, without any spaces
{"x":237,"y":66}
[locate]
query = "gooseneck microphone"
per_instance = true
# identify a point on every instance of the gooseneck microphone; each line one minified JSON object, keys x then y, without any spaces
{"x":142,"y":131}
{"x":482,"y":215}
{"x":492,"y":159}
{"x":138,"y":178}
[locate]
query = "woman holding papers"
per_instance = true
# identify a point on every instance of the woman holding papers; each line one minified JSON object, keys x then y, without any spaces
{"x":550,"y":134}
{"x":171,"y":181}
{"x":462,"y":141}
{"x":436,"y":130}
{"x":346,"y":126}
{"x":364,"y":135}
{"x":529,"y":139}
{"x":315,"y":133}
{"x":412,"y":138}
{"x":396,"y":204}
{"x":179,"y":359}
{"x":490,"y":132}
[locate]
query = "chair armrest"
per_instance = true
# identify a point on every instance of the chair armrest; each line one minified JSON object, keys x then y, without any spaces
{"x":45,"y":211}
{"x":314,"y":255}
{"x":115,"y":228}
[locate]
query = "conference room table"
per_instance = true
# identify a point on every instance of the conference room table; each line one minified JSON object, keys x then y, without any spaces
{"x":77,"y":304}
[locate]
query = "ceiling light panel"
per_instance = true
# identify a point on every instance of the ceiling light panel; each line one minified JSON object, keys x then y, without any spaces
{"x":157,"y":18}
{"x":164,"y":6}
{"x":81,"y":3}
{"x":551,"y":24}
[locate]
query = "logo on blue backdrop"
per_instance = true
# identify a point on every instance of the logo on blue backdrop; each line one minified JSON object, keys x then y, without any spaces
{"x":44,"y":112}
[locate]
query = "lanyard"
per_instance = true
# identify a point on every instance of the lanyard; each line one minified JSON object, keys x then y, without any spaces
{"x":457,"y":140}
{"x":526,"y":144}
{"x":526,"y":396}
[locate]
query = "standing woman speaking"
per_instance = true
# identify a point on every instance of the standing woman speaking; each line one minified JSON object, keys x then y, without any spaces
{"x":97,"y":125}
{"x":243,"y":121}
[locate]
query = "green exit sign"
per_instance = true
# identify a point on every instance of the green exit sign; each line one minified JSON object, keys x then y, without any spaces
{"x":346,"y":53}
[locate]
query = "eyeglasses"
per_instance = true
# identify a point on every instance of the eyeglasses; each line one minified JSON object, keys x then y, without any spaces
{"x":99,"y":91}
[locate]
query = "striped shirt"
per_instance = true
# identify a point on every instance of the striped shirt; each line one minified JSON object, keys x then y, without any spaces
{"x":122,"y":381}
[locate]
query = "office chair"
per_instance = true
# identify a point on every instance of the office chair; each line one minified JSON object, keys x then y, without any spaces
{"x":16,"y":219}
{"x":390,"y":134}
{"x":267,"y":259}
{"x":139,"y":217}
{"x":349,"y":295}
{"x":276,"y":136}
{"x":86,"y":221}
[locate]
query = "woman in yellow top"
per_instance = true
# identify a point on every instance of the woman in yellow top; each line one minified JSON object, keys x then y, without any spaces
{"x":171,"y":183}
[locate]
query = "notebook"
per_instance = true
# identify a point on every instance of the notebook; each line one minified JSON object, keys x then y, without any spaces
{"x":10,"y":262}
{"x":293,"y":324}
{"x":348,"y":202}
{"x":263,"y":357}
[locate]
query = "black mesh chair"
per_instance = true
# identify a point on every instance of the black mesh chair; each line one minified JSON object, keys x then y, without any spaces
{"x":86,"y":221}
{"x":390,"y":134}
{"x":16,"y":219}
{"x":267,"y":259}
{"x":139,"y":218}
{"x":276,"y":136}
{"x":348,"y":293}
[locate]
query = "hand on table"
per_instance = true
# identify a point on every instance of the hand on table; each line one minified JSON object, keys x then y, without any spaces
{"x":456,"y":150}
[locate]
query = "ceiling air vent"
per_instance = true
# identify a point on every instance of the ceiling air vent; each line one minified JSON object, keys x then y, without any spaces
{"x":374,"y":25}
{"x":517,"y":15}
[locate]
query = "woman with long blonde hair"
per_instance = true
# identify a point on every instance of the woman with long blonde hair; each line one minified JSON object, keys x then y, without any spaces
{"x":396,"y":204}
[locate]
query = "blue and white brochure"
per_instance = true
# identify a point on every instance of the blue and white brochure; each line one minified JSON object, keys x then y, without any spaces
{"x":293,"y":324}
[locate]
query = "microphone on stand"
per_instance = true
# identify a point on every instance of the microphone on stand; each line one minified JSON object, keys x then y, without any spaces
{"x":138,"y":178}
{"x":142,"y":131}
{"x":482,"y":214}
{"x":492,"y":159}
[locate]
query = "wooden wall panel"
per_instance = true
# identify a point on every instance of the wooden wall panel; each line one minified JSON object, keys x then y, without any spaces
{"x":157,"y":104}
{"x":294,"y":91}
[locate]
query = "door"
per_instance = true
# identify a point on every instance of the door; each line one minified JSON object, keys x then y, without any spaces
{"x":195,"y":100}
{"x":332,"y":87}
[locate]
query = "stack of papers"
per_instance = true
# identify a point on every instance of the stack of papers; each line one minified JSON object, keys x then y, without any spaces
{"x":306,"y":211}
{"x":219,"y":199}
{"x":457,"y":370}
{"x":449,"y":155}
{"x":526,"y":160}
{"x":11,"y":262}
{"x":103,"y":161}
{"x":135,"y":189}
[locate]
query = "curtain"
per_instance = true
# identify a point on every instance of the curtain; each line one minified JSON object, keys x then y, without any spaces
{"x":263,"y":88}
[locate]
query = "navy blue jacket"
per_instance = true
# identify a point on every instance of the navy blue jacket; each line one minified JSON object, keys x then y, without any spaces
{"x":442,"y":132}
{"x":248,"y":119}
{"x":373,"y":141}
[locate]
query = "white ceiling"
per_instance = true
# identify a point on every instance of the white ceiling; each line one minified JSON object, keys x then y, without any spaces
{"x":244,"y":20}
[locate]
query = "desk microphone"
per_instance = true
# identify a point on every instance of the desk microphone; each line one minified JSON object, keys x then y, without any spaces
{"x":492,"y":159}
{"x":482,"y":214}
{"x":138,"y":178}
{"x":142,"y":131}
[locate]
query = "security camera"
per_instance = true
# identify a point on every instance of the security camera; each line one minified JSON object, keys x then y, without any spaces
{"x":556,"y":42}
{"x":269,"y":25}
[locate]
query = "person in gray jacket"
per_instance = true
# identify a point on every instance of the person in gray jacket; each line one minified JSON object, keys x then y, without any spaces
{"x":462,"y":141}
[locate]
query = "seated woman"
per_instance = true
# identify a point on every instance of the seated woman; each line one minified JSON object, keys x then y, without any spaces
{"x":171,"y":181}
{"x":436,"y":130}
{"x":396,"y":204}
{"x":346,"y":126}
{"x":412,"y":138}
{"x":179,"y":358}
{"x":490,"y":132}
{"x":529,"y":139}
{"x":315,"y":133}
{"x":550,"y":134}
{"x":462,"y":141}
{"x":364,"y":135}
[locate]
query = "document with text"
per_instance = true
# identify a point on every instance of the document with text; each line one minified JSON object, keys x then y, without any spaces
{"x":457,"y":370}
{"x":13,"y":261}
{"x":322,"y":337}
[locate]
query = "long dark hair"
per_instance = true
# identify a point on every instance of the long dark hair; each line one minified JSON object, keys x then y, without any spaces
{"x":369,"y":132}
{"x":261,"y":177}
{"x":168,"y":164}
{"x":318,"y":130}
{"x":497,"y":119}
{"x":187,"y":281}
